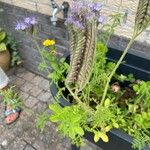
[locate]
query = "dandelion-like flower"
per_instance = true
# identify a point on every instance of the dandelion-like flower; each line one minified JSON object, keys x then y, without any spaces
{"x":48,"y":42}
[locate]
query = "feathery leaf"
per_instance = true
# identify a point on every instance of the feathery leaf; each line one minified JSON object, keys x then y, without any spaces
{"x":142,"y":19}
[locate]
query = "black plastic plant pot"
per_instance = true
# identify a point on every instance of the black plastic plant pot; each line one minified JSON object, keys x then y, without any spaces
{"x":139,"y":67}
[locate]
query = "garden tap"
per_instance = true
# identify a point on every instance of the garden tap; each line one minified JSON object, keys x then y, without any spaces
{"x":56,"y":9}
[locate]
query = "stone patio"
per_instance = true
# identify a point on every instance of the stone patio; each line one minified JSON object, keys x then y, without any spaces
{"x":23,"y":134}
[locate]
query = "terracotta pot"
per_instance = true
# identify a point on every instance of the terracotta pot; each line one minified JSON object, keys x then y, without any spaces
{"x":5,"y":60}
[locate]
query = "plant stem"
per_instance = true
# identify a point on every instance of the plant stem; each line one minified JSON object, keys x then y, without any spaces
{"x":83,"y":105}
{"x":116,"y":67}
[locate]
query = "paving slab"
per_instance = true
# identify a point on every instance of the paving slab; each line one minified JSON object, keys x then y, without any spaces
{"x":23,"y":134}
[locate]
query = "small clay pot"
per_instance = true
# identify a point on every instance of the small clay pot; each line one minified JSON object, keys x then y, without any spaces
{"x":5,"y":60}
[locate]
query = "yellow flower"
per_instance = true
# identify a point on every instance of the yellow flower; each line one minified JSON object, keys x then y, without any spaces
{"x":48,"y":42}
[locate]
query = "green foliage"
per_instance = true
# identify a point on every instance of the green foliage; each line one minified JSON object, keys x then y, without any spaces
{"x":2,"y":36}
{"x":41,"y":121}
{"x":8,"y":42}
{"x":142,"y":90}
{"x":13,"y":48}
{"x":96,"y":108}
{"x":2,"y":43}
{"x":11,"y":97}
{"x":109,"y":28}
{"x":71,"y":121}
{"x":122,"y":78}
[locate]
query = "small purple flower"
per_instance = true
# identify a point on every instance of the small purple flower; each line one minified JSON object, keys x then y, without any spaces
{"x":30,"y":20}
{"x":89,"y":16}
{"x":21,"y":26}
{"x":96,"y":6}
{"x":101,"y":19}
{"x":33,"y":21}
{"x":27,"y":20}
{"x":78,"y":24}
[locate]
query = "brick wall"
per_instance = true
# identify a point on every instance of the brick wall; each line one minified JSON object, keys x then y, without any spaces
{"x":9,"y":14}
{"x":128,"y":6}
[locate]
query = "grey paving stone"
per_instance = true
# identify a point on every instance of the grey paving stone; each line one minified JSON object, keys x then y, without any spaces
{"x":31,"y":101}
{"x":30,"y":135}
{"x":2,"y":129}
{"x":40,"y":107}
{"x":35,"y":91}
{"x":19,"y":81}
{"x":29,"y":147}
{"x":12,"y":78}
{"x":37,"y":80}
{"x":6,"y":138}
{"x":17,"y":144}
{"x":28,"y":76}
{"x":26,"y":115}
{"x":20,"y":70}
{"x":44,"y":96}
{"x":21,"y":74}
{"x":39,"y":145}
{"x":27,"y":87}
{"x":23,"y":95}
{"x":18,"y":129}
{"x":44,"y":84}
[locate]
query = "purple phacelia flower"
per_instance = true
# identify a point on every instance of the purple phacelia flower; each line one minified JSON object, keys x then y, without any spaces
{"x":21,"y":26}
{"x":78,"y":24}
{"x":96,"y":6}
{"x":27,"y":20}
{"x":33,"y":21}
{"x":101,"y":19}
{"x":89,"y":16}
{"x":30,"y":20}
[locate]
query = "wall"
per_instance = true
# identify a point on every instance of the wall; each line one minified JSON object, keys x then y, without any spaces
{"x":124,"y":31}
{"x":9,"y":14}
{"x":8,"y":19}
{"x":128,"y":6}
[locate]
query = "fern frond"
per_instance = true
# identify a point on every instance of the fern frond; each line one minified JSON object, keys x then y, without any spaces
{"x":77,"y":56}
{"x":88,"y":56}
{"x":142,"y":19}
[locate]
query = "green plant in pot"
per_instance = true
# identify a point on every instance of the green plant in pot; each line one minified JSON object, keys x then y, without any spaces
{"x":90,"y":83}
{"x":4,"y":53}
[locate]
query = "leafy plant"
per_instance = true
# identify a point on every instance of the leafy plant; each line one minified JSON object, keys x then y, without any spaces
{"x":8,"y":42}
{"x":13,"y":48}
{"x":11,"y":97}
{"x":95,"y":107}
{"x":2,"y":43}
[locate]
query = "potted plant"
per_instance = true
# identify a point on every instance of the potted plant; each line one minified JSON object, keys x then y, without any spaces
{"x":4,"y":53}
{"x":9,"y":55}
{"x":96,"y":98}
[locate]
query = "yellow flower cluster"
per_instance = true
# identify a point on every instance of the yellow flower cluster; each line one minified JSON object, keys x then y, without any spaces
{"x":48,"y":42}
